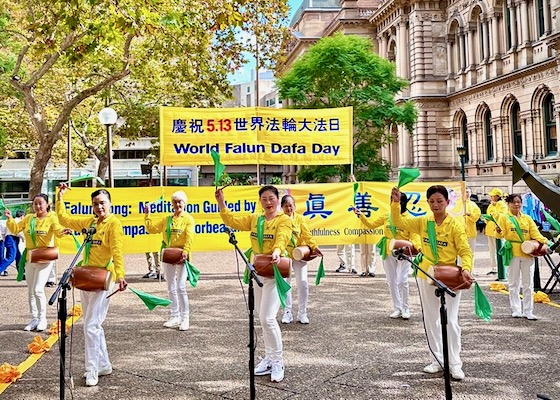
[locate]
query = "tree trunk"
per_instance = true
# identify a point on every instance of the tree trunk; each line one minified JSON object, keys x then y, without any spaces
{"x":102,"y":169}
{"x":40,"y":164}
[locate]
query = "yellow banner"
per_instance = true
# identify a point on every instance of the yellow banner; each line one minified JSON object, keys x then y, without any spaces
{"x":327,"y":208}
{"x":255,"y":135}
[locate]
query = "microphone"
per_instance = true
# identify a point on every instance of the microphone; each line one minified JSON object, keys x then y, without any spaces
{"x":89,"y":231}
{"x":229,"y":231}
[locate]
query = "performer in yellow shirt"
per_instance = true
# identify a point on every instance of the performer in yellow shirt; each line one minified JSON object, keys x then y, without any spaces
{"x":396,"y":270}
{"x":496,"y":207}
{"x":472,"y":214}
{"x":178,"y":232}
{"x":276,"y":235}
{"x":39,"y":230}
{"x":301,"y":236}
{"x":516,"y":227}
{"x":449,"y":243}
{"x":106,"y":251}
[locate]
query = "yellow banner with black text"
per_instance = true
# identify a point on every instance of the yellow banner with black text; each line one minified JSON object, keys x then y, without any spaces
{"x":327,"y":208}
{"x":255,"y":135}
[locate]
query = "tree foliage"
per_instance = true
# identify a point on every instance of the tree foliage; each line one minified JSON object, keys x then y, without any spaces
{"x":339,"y":71}
{"x":66,"y":59}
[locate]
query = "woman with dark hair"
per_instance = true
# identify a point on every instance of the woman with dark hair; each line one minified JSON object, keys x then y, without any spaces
{"x":443,"y":241}
{"x":105,"y":251}
{"x":396,"y":270}
{"x":516,"y":227}
{"x":301,"y":236}
{"x":39,"y":229}
{"x":270,"y":234}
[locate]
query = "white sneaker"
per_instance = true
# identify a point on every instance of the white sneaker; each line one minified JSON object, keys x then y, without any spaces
{"x":405,"y":314}
{"x":433,"y":368}
{"x":277,"y":374}
{"x":264,"y":367}
{"x":457,"y":373}
{"x":32,"y":325}
{"x":184,"y":324}
{"x":516,"y":314}
{"x":287,"y":317}
{"x":395,"y":314}
{"x":303,"y":319}
{"x":102,"y":371}
{"x":530,"y":316}
{"x":42,"y":325}
{"x":91,"y":378}
{"x":174,"y":322}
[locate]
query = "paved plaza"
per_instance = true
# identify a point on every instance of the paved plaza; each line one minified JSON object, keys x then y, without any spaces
{"x":350,"y":350}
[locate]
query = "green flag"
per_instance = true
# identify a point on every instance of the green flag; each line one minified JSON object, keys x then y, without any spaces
{"x":488,"y":217}
{"x":407,"y":175}
{"x":150,"y":300}
{"x":553,"y":222}
{"x":219,"y":168}
{"x":87,"y":178}
{"x":356,"y":186}
{"x":159,"y":200}
{"x":192,"y":273}
{"x":320,"y":273}
{"x":482,"y":307}
{"x":282,"y":286}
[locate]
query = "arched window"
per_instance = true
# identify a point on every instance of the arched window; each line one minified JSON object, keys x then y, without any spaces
{"x":550,"y":125}
{"x":488,"y":136}
{"x":465,"y":136}
{"x":516,"y":130}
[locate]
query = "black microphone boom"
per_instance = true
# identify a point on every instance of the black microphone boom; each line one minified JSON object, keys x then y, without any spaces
{"x":89,"y":231}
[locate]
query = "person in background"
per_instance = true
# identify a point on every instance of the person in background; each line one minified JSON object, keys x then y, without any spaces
{"x":346,"y":256}
{"x":178,"y":232}
{"x":275,"y":235}
{"x":396,"y":270}
{"x":39,"y":229}
{"x":19,"y":239}
{"x":496,"y":207}
{"x":368,"y":257}
{"x":154,"y":266}
{"x":7,"y":249}
{"x":444,"y":241}
{"x":472,"y":214}
{"x":301,"y":236}
{"x":516,"y":227}
{"x":106,"y":251}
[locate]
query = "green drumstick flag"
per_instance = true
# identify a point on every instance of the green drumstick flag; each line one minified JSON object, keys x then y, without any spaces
{"x":407,"y":175}
{"x":150,"y":300}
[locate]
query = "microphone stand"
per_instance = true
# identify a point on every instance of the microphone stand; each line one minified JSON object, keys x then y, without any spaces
{"x":441,"y":290}
{"x":62,"y":288}
{"x":252,"y":276}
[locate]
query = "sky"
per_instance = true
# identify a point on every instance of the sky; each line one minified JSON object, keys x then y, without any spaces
{"x":244,"y":74}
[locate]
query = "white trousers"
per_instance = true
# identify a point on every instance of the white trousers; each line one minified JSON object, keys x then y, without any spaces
{"x":176,"y":276}
{"x":346,"y":255}
{"x":300,"y":271}
{"x":492,"y":252}
{"x":430,"y":308}
{"x":367,"y":258}
{"x":267,"y":304}
{"x":397,"y":280}
{"x":36,"y":275}
{"x":520,"y":272}
{"x":95,"y":306}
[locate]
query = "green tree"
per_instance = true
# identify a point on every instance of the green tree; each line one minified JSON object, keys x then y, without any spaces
{"x":340,"y":71}
{"x":61,"y":57}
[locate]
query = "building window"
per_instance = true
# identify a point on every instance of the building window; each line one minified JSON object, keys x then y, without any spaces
{"x":516,"y":130}
{"x":509,"y":43}
{"x":550,"y":126}
{"x":465,"y":137}
{"x":540,"y":17}
{"x":488,"y":135}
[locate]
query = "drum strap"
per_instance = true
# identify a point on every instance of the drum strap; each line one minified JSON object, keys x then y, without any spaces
{"x":382,"y":246}
{"x":167,"y":233}
{"x":432,"y":237}
{"x":260,"y":231}
{"x":32,"y":227}
{"x":23,"y":259}
{"x":393,"y":227}
{"x":513,"y":220}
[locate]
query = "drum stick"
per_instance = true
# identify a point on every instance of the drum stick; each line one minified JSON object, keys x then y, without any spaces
{"x":112,"y":293}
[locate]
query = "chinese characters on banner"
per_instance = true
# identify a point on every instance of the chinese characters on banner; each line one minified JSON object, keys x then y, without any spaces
{"x":255,"y":135}
{"x":327,"y":207}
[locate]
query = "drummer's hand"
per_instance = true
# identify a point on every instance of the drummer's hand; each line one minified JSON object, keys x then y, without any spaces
{"x":276,"y":256}
{"x":219,"y":194}
{"x":146,"y":209}
{"x":67,"y":231}
{"x":63,"y":189}
{"x":7,"y":213}
{"x":318,"y":252}
{"x":357,"y":211}
{"x":185,"y":256}
{"x":395,"y":195}
{"x":122,"y":284}
{"x":498,"y":229}
{"x":467,"y":275}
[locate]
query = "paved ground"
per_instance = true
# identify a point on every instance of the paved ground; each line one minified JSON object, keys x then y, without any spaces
{"x":351,"y":349}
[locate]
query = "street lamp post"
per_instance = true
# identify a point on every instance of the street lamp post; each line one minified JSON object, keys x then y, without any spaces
{"x":108,"y":117}
{"x":462,"y":155}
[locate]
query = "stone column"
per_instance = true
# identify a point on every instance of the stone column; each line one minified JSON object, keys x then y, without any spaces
{"x":486,"y":44}
{"x":403,"y":47}
{"x":470,"y":35}
{"x":525,"y":40}
{"x":495,"y":36}
{"x":546,"y":15}
{"x":462,"y":60}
